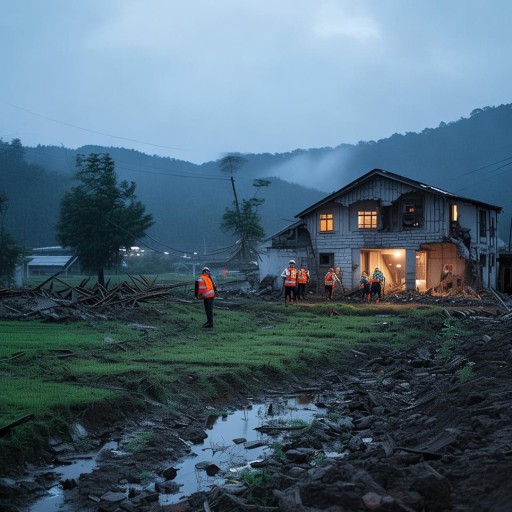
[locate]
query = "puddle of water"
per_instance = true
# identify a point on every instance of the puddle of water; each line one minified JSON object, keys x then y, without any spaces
{"x":85,"y":464}
{"x":231,"y":458}
{"x":218,"y":449}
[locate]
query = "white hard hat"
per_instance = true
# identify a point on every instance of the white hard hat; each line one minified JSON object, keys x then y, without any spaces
{"x":205,"y":268}
{"x":292,"y":261}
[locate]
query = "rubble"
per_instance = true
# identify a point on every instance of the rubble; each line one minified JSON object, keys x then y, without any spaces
{"x":406,"y":430}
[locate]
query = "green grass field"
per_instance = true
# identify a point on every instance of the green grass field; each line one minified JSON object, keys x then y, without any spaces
{"x":46,"y":366}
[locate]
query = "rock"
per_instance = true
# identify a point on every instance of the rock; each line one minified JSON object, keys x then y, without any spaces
{"x":300,"y":455}
{"x":372,"y":500}
{"x":170,"y":473}
{"x":110,"y":500}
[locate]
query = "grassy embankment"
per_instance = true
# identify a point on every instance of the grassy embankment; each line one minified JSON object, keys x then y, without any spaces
{"x":48,"y":369}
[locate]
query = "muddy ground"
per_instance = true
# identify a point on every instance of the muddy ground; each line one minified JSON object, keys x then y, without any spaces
{"x":405,"y":432}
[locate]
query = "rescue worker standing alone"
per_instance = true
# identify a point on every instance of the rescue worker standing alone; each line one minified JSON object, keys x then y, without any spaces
{"x":289,"y":275}
{"x":205,"y":289}
{"x":377,"y":283}
{"x":302,"y":281}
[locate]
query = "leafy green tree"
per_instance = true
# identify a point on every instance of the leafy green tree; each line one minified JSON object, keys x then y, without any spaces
{"x":244,"y":221}
{"x":10,"y":252}
{"x":100,"y":216}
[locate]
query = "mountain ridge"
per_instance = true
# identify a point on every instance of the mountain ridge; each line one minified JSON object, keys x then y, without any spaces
{"x":471,"y":157}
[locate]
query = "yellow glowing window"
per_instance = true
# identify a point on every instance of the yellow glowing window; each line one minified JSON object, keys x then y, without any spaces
{"x":367,"y":220}
{"x":454,"y":213}
{"x":326,"y":222}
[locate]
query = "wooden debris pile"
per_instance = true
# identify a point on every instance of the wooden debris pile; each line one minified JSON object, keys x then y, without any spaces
{"x":56,"y":298}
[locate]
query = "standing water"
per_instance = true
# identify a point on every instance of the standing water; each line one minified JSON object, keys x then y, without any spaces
{"x":219,"y":450}
{"x":213,"y":462}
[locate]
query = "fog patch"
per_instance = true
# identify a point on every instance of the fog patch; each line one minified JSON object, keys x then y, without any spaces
{"x":326,"y":173}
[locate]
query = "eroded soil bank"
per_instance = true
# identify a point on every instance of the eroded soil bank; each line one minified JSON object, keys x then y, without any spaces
{"x":405,"y":431}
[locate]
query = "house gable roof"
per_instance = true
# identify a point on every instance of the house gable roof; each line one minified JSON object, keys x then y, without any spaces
{"x":395,"y":177}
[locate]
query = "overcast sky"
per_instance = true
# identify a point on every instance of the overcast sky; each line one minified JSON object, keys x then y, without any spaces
{"x":195,"y":80}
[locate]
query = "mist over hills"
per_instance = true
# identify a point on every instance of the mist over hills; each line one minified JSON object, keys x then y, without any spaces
{"x":471,"y":157}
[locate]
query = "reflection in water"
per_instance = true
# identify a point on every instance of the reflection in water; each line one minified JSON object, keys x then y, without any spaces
{"x":72,"y":471}
{"x":232,"y":458}
{"x":218,"y":455}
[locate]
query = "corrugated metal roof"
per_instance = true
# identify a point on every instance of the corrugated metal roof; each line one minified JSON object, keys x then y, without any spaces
{"x":49,"y":261}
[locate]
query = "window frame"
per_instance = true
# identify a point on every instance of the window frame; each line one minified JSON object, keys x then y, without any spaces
{"x":482,"y":224}
{"x":325,"y":260}
{"x":326,"y":222}
{"x":372,"y":215}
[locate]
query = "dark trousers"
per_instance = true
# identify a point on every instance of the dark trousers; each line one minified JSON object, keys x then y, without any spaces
{"x":376,"y":290}
{"x":301,"y":291}
{"x":366,"y":291}
{"x":329,"y":291}
{"x":290,"y":293}
{"x":208,"y":307}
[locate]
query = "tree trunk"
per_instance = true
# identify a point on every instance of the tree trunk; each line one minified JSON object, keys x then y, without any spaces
{"x":101,"y":277}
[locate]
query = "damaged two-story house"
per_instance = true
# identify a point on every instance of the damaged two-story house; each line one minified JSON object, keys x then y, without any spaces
{"x":420,"y":236}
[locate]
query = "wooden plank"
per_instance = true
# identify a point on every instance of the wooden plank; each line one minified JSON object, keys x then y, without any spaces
{"x":24,"y":419}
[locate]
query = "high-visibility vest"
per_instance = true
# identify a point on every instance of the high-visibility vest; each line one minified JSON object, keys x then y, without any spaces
{"x":329,"y":279}
{"x":303,"y":276}
{"x":378,"y":277}
{"x":205,"y":289}
{"x":291,"y":277}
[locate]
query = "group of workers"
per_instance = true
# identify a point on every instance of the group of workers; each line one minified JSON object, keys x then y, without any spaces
{"x":295,"y":280}
{"x":294,"y":283}
{"x":372,"y":286}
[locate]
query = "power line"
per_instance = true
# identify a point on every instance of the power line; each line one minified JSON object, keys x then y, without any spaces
{"x":178,"y":251}
{"x":90,"y":131}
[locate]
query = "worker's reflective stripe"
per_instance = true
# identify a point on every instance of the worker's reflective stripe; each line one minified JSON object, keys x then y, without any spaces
{"x":291,"y":279}
{"x":303,"y":277}
{"x":329,"y":279}
{"x":205,"y":288}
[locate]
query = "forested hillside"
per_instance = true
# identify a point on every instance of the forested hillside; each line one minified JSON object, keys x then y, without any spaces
{"x":187,"y":201}
{"x":471,"y":157}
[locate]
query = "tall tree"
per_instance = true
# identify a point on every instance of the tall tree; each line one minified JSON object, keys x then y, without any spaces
{"x":243,"y":220}
{"x":100,"y":216}
{"x":10,"y":252}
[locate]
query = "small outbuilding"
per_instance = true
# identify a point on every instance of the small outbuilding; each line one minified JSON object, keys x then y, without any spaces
{"x":47,"y":261}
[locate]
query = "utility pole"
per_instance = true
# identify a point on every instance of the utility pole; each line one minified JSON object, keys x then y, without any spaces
{"x":231,"y":164}
{"x":237,"y":206}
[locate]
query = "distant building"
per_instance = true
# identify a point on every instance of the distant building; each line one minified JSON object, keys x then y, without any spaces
{"x":420,"y":236}
{"x":47,"y":261}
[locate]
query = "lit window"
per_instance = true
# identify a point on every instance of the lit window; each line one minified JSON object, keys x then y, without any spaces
{"x":454,"y":213}
{"x":367,"y":220}
{"x":326,"y":222}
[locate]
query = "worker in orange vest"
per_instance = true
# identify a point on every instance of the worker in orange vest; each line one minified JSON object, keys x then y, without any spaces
{"x":329,"y":281}
{"x":205,"y":289}
{"x":302,"y":281}
{"x":289,"y":275}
